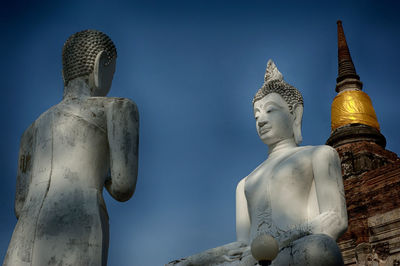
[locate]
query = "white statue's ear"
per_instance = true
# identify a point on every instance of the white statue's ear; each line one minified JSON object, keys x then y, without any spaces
{"x":99,"y":63}
{"x":298,"y":116}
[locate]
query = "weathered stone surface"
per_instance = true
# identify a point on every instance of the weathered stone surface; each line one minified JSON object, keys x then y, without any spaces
{"x":372,"y":188}
{"x":354,"y":133}
{"x":67,"y":156}
{"x":360,"y":157}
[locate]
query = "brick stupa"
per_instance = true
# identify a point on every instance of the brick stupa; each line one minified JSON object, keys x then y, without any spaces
{"x":371,"y":174}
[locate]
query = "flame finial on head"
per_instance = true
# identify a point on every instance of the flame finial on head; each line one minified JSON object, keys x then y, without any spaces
{"x":272,"y":72}
{"x":274,"y":83}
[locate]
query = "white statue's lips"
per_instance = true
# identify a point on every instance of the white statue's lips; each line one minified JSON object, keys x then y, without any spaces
{"x":264,"y":130}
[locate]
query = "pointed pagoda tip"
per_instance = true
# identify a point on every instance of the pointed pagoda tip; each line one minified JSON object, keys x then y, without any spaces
{"x":272,"y":72}
{"x":346,"y":67}
{"x":342,"y":43}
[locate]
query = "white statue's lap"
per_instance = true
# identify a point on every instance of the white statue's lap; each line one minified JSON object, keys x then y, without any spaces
{"x":310,"y":250}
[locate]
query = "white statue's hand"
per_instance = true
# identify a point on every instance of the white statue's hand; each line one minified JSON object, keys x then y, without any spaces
{"x":239,"y":250}
{"x":285,"y":238}
{"x":323,"y":221}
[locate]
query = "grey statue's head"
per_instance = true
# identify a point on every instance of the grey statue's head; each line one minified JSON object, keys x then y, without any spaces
{"x":273,"y":82}
{"x":80,"y":52}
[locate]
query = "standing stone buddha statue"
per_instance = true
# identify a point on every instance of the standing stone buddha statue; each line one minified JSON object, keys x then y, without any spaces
{"x":68,"y":155}
{"x":296,"y":195}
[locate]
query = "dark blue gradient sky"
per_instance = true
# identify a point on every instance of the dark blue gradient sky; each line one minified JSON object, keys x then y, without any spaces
{"x":192,"y":67}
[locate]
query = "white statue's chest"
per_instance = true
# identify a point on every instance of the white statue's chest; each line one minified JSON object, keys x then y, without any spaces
{"x":292,"y":172}
{"x":281,"y":187}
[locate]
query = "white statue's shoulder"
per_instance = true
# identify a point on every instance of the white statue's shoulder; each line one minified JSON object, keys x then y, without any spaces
{"x":319,"y":150}
{"x":240,"y":185}
{"x":323,"y":151}
{"x":324,"y":156}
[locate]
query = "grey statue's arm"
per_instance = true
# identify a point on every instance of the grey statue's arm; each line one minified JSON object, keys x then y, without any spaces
{"x":123,"y":139}
{"x":24,"y":170}
{"x":242,"y":214}
{"x":332,"y":219}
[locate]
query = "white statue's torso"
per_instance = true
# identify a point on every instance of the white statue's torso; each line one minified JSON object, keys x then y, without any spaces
{"x":278,"y":192}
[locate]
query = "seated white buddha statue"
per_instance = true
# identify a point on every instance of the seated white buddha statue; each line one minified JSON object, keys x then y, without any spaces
{"x":296,"y":195}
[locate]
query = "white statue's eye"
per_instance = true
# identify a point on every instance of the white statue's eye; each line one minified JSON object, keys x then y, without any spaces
{"x":269,"y":110}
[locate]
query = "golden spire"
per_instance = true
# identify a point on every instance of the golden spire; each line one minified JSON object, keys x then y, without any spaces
{"x":351,"y":105}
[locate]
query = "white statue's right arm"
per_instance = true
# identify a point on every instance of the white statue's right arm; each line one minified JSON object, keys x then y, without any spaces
{"x":332,"y":219}
{"x":123,"y":140}
{"x":24,"y":170}
{"x":242,"y":214}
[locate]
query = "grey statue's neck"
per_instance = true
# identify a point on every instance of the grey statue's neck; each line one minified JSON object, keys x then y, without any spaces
{"x":77,"y":88}
{"x":280,"y":146}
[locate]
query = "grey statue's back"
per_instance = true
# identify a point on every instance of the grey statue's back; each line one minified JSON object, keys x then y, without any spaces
{"x":59,"y":202}
{"x":66,"y":158}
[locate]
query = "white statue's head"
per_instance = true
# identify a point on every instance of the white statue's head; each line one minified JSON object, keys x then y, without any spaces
{"x":278,"y":108}
{"x":91,"y":55}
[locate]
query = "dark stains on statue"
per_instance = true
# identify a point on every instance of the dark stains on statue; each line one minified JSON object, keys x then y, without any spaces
{"x":24,"y":162}
{"x":68,"y":215}
{"x":73,"y":177}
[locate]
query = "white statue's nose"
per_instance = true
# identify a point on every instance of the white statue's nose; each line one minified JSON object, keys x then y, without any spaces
{"x":262,"y":123}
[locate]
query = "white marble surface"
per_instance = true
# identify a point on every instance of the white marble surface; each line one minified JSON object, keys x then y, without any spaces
{"x":296,"y":195}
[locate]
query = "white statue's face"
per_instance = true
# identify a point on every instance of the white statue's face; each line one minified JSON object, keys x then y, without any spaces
{"x":274,"y":121}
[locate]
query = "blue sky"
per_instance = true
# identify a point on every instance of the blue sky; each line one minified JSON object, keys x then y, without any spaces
{"x":192,"y":67}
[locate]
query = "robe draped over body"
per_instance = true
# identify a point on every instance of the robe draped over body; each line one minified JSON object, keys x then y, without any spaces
{"x":63,"y":220}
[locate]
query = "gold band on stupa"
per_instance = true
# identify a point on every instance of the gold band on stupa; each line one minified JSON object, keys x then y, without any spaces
{"x":353,"y":107}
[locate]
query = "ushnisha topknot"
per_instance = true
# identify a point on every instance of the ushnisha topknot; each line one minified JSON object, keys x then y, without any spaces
{"x":80,"y":51}
{"x":273,"y":82}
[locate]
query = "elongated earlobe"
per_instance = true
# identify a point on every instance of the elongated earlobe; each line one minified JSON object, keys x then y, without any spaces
{"x":98,"y":66}
{"x":63,"y":76}
{"x":298,"y":116}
